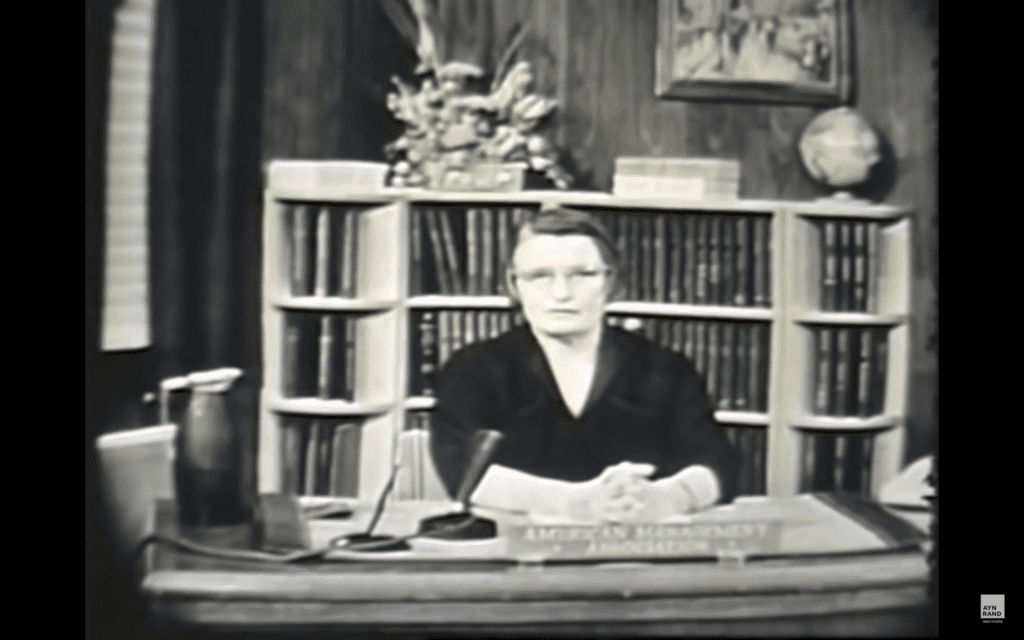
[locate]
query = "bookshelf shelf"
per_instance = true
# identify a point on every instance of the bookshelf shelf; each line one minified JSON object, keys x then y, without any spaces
{"x":796,"y":314}
{"x":851,"y":318}
{"x":829,"y":423}
{"x":319,"y":406}
{"x":689,"y":310}
{"x":459,"y":302}
{"x":332,"y":304}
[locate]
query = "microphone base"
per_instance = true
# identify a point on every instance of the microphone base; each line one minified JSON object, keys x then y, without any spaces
{"x":363,"y":542}
{"x":458,"y":526}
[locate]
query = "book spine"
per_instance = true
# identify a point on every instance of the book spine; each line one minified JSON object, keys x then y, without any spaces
{"x":665,"y":333}
{"x":337,"y":460}
{"x":349,"y":388}
{"x":300,"y":248}
{"x":830,"y":266}
{"x":702,"y":260}
{"x":469,"y":327}
{"x":493,"y":324}
{"x":416,"y":252}
{"x":291,"y":457}
{"x":352,"y":448}
{"x":761,"y":260}
{"x":451,"y":252}
{"x":742,"y":353}
{"x":675,"y":259}
{"x":506,"y":322}
{"x":766,"y":271}
{"x":659,"y":240}
{"x":428,"y":352}
{"x":444,"y":337}
{"x":728,"y":275}
{"x":845,"y":268}
{"x":881,"y":369}
{"x":487,"y":252}
{"x":690,"y":341}
{"x":325,"y":360}
{"x":824,"y":368}
{"x":440,"y":265}
{"x":690,"y":258}
{"x":742,"y":262}
{"x":859,"y":267}
{"x":872,"y":267}
{"x":348,"y":258}
{"x":472,"y":254}
{"x":504,"y":247}
{"x":715,"y":260}
{"x":806,"y":462}
{"x":458,"y":335}
{"x":646,"y":259}
{"x":725,"y":400}
{"x":677,"y":335}
{"x":651,"y":329}
{"x":312,"y":457}
{"x":622,"y":248}
{"x":714,"y":362}
{"x":867,"y":348}
{"x":839,"y":468}
{"x":699,"y":347}
{"x":291,"y":358}
{"x":633,"y":225}
{"x":757,"y":369}
{"x":842,"y":386}
{"x":323,"y":243}
{"x":482,"y":332}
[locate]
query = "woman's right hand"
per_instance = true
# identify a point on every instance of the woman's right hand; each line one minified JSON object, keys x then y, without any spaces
{"x":616,"y":495}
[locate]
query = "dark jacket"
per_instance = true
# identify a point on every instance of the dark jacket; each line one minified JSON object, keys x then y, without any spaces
{"x":646,"y":404}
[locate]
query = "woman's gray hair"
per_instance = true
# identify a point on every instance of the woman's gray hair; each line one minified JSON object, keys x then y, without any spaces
{"x":562,"y":221}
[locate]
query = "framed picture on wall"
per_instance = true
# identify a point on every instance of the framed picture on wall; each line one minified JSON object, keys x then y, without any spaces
{"x":783,"y":51}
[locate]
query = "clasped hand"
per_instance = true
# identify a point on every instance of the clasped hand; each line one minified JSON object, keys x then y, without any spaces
{"x":623,"y":493}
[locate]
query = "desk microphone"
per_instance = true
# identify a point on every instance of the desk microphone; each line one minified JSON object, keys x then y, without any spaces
{"x":457,"y":526}
{"x":464,"y":525}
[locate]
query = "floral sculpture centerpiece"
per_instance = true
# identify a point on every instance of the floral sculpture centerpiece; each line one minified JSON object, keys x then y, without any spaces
{"x":458,"y":137}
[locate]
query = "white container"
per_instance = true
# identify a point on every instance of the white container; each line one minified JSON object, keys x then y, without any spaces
{"x":136,"y":469}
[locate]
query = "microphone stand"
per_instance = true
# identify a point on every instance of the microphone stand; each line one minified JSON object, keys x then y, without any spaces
{"x":458,"y":526}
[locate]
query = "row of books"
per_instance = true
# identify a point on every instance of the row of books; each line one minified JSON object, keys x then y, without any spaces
{"x":693,"y":258}
{"x":437,"y":334}
{"x":322,"y":244}
{"x":849,"y":266}
{"x":461,"y":251}
{"x":752,"y":445}
{"x":680,"y":257}
{"x":850,"y":366}
{"x":836,"y":461}
{"x":320,"y":457}
{"x":319,"y":355}
{"x":731,"y":356}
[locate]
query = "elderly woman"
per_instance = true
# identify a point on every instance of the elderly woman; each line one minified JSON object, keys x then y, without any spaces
{"x":598,"y":423}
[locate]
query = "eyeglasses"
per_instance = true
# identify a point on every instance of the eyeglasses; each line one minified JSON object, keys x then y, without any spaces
{"x":576,"y":278}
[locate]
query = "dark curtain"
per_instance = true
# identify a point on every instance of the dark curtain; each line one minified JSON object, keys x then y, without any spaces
{"x":205,"y":205}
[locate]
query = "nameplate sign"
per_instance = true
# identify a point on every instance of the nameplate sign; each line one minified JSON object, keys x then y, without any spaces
{"x":643,"y":540}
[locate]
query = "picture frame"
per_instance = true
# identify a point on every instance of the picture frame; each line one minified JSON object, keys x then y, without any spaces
{"x":778,"y":51}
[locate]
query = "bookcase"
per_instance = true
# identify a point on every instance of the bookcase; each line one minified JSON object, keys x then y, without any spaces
{"x":796,"y":314}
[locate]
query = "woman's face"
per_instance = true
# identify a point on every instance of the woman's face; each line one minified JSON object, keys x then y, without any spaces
{"x":562,"y":283}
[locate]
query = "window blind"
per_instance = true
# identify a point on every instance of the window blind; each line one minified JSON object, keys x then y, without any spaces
{"x":126,"y":310}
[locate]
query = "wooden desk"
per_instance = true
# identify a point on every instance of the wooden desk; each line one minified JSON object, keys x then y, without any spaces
{"x":866,"y":592}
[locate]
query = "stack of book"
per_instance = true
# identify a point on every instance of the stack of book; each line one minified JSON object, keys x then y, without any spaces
{"x":440,"y":333}
{"x":319,"y":355}
{"x":731,"y":356}
{"x":461,"y":250}
{"x":849,"y":265}
{"x":322,"y":243}
{"x":833,"y":461}
{"x":849,"y":371}
{"x":688,"y":178}
{"x":693,"y":258}
{"x":320,"y":457}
